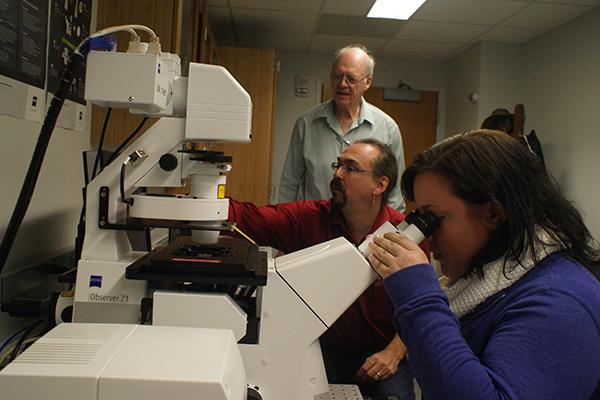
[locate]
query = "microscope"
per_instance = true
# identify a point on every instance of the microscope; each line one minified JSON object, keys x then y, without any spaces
{"x":204,"y":316}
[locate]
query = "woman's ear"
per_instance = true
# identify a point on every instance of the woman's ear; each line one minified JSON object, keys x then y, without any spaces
{"x":495,"y":214}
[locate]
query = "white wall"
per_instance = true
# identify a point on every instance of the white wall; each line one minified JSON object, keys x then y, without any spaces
{"x":422,"y":75}
{"x":50,"y":225}
{"x":501,"y":78}
{"x":562,"y":103}
{"x":492,"y":71}
{"x":462,"y":76}
{"x":556,"y":77}
{"x":50,"y":222}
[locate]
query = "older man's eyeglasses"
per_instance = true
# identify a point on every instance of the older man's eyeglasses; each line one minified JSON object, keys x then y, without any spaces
{"x":350,"y":79}
{"x":349,"y":168}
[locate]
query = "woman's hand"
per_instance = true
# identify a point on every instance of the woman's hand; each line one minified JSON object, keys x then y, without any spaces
{"x":394,"y":251}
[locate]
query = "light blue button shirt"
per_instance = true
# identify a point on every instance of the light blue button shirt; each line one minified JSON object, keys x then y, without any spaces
{"x":317,"y":141}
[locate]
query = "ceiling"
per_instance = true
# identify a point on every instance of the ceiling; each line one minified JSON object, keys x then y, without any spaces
{"x":438,"y":30}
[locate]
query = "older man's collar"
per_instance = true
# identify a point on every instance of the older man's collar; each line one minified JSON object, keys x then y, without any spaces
{"x":327,"y":111}
{"x":366,"y":112}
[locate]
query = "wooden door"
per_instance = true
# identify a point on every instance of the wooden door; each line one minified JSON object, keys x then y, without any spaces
{"x":417,"y":120}
{"x":254,"y":69}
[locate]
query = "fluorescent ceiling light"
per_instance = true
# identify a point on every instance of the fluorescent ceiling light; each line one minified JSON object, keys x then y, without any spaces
{"x":394,"y":9}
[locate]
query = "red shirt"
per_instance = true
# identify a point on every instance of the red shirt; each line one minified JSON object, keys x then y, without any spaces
{"x":366,"y":326}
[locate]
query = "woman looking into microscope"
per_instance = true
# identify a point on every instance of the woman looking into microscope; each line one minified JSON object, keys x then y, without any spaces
{"x":516,"y":314}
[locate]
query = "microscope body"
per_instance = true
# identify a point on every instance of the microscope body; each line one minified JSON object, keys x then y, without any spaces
{"x":116,"y":276}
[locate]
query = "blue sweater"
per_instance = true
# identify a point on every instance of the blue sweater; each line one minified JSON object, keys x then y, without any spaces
{"x":538,"y":339}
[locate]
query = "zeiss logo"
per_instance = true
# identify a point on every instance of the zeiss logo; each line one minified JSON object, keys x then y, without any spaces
{"x":96,"y":281}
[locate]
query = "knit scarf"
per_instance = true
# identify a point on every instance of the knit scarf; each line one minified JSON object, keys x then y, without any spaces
{"x":467,"y":293}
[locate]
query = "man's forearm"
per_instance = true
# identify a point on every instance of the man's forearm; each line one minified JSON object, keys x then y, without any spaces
{"x":396,"y":347}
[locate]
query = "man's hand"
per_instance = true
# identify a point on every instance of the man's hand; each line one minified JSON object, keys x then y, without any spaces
{"x":384,"y":364}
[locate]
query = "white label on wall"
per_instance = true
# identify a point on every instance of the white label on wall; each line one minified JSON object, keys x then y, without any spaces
{"x":21,"y":100}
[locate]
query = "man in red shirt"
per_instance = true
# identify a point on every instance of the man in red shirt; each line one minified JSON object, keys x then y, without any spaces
{"x":362,"y":346}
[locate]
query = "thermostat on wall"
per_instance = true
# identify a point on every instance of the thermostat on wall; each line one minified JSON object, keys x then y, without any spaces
{"x":301,"y":87}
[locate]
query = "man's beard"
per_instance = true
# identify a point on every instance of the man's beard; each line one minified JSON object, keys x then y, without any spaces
{"x":338,"y":192}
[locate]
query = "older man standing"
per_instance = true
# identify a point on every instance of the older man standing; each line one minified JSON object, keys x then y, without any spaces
{"x":323,"y":132}
{"x":361,"y":347}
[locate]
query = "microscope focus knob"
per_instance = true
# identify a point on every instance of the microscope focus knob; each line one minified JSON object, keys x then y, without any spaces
{"x":168,"y":162}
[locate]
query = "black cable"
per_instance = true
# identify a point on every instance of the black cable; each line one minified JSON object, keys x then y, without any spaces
{"x":38,"y":157}
{"x":146,"y":311}
{"x":81,"y":226}
{"x":15,"y":352}
{"x":104,"y":42}
{"x":101,"y":143}
{"x":122,"y":184}
{"x":115,"y":154}
{"x":86,"y":173}
{"x":11,"y":338}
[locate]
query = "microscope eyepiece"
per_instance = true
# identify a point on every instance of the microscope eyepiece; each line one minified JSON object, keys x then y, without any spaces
{"x":426,"y":222}
{"x":417,"y":225}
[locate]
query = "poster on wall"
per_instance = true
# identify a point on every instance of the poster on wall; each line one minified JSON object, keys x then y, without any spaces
{"x":69,"y":25}
{"x":23,"y":34}
{"x":23,"y":27}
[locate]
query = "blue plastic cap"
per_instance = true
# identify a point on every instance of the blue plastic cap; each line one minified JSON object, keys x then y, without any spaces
{"x":106,"y":42}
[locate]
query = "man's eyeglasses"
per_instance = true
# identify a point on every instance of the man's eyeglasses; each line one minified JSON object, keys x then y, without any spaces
{"x":350,"y":169}
{"x":350,"y":79}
